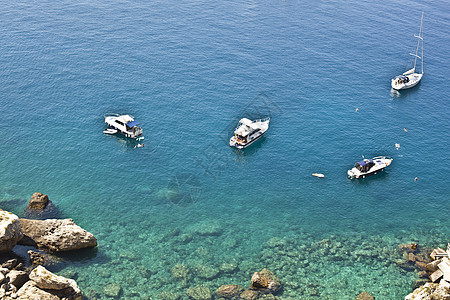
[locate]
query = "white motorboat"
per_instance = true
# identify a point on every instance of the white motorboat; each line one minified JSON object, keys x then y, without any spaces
{"x":124,"y":124}
{"x":368,"y":167}
{"x":411,"y":78}
{"x":248,"y":131}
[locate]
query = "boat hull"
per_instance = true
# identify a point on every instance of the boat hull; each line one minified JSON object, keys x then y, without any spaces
{"x":414,"y":80}
{"x":234,"y":143}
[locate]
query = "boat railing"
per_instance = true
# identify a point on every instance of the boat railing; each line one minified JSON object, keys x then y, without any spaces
{"x":382,"y":157}
{"x":262,"y":120}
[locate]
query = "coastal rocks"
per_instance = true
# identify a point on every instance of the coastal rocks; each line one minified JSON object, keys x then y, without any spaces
{"x":43,"y":284}
{"x":56,"y":235}
{"x":38,"y":201}
{"x":429,"y":291}
{"x":17,"y":278}
{"x":229,"y":291}
{"x":439,"y":273}
{"x":10,"y":231}
{"x":199,"y":293}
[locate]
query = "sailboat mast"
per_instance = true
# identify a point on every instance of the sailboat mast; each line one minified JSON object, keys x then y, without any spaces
{"x":419,"y":37}
{"x":421,"y":34}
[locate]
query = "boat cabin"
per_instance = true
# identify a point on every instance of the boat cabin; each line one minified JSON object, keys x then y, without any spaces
{"x":364,"y":165}
{"x":125,"y":124}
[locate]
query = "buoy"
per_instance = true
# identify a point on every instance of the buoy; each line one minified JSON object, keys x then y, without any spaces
{"x":318,"y":175}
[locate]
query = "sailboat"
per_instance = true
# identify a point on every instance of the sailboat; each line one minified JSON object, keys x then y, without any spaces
{"x":411,"y":78}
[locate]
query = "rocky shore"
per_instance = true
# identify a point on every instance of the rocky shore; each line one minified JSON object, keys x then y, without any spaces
{"x":209,"y":260}
{"x":26,"y":277}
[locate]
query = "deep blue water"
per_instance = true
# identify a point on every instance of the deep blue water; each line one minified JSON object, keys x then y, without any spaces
{"x":188,"y":71}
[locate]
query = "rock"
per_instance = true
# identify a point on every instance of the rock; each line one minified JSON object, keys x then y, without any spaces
{"x":56,"y":235}
{"x":10,"y":231}
{"x":438,"y":251}
{"x":113,"y":290}
{"x":45,"y":279}
{"x":208,"y":229}
{"x":433,"y":266}
{"x":10,"y":264}
{"x":168,"y":296}
{"x":17,"y":278}
{"x":436,"y":275}
{"x":429,"y":291}
{"x":408,"y":247}
{"x":206,"y":272}
{"x":30,"y":291}
{"x":38,"y":201}
{"x":199,"y":293}
{"x":228,"y":267}
{"x":229,"y":291}
{"x":180,"y":271}
{"x":2,"y":278}
{"x":259,"y":281}
{"x":4,"y":271}
{"x":364,"y":296}
{"x":274,"y":283}
{"x":45,"y":285}
{"x":249,"y":295}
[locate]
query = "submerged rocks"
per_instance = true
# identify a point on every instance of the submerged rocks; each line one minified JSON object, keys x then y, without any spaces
{"x":10,"y":231}
{"x":113,"y":290}
{"x":56,"y":235}
{"x":229,"y":291}
{"x":199,"y":292}
{"x":364,"y":296}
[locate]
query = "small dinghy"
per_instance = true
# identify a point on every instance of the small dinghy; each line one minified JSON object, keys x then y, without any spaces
{"x":318,"y":175}
{"x":110,"y":131}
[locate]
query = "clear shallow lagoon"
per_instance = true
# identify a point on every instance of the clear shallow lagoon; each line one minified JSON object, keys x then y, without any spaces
{"x":188,"y":71}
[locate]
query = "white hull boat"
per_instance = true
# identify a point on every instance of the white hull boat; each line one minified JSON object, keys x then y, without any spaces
{"x":125,"y":124}
{"x":411,"y":78}
{"x":368,"y":167}
{"x":247,"y":132}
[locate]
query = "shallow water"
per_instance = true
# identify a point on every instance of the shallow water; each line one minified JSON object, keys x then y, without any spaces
{"x":188,"y":71}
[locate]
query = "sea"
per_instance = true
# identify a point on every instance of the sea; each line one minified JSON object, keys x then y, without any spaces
{"x":188,"y":213}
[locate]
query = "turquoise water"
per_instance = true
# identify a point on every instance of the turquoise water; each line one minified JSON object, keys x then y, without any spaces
{"x":188,"y":71}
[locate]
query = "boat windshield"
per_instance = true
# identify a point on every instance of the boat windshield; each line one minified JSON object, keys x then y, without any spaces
{"x":364,"y":165}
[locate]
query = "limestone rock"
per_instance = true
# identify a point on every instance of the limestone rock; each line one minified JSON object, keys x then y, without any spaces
{"x":249,"y":295}
{"x":17,"y":278}
{"x":199,"y":293}
{"x":45,"y":279}
{"x":180,"y":271}
{"x":429,"y":291}
{"x":30,"y":291}
{"x":38,"y":201}
{"x":10,"y":231}
{"x":259,"y":281}
{"x":364,"y":296}
{"x":274,"y":283}
{"x":56,"y":235}
{"x":229,"y":291}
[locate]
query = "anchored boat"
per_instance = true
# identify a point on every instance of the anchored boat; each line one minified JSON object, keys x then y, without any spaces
{"x":369,"y":167}
{"x":124,"y":124}
{"x":410,"y":78}
{"x":248,"y":131}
